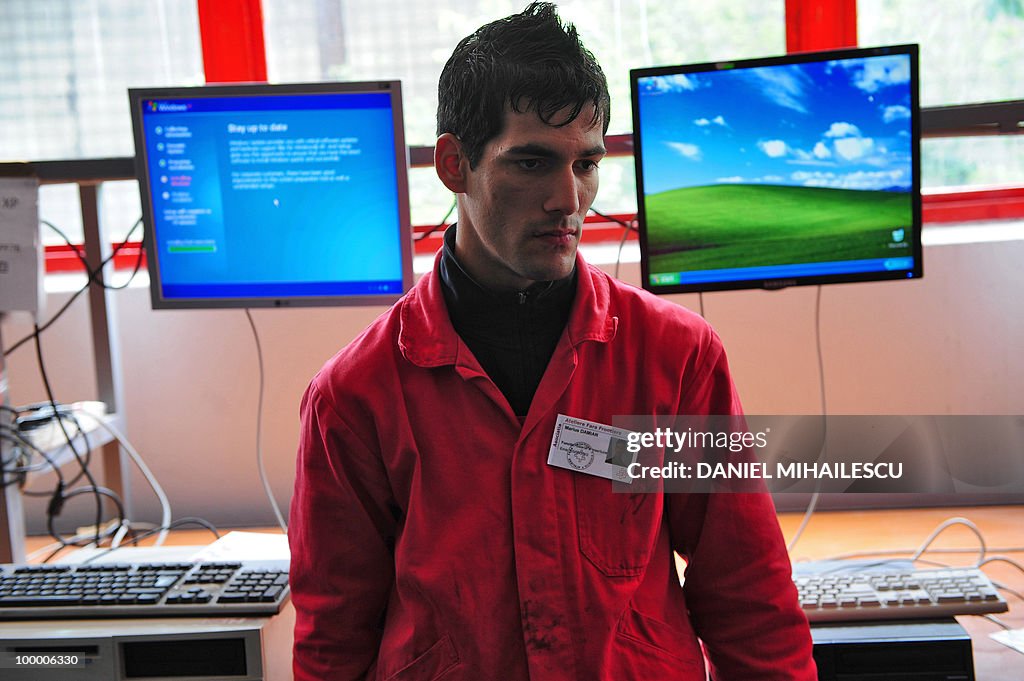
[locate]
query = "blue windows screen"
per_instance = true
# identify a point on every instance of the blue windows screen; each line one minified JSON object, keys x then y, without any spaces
{"x":780,"y":171}
{"x":274,"y":195}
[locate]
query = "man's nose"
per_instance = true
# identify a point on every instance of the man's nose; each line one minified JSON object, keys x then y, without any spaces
{"x":563,"y":193}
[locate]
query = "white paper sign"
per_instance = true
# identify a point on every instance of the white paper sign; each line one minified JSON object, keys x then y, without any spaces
{"x":21,"y":253}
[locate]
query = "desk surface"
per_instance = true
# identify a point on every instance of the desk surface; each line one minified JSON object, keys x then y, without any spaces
{"x":835,"y":533}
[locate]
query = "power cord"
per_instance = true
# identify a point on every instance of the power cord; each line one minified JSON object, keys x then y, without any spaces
{"x":57,"y":502}
{"x":943,"y":526}
{"x":165,"y":505}
{"x":813,"y":503}
{"x":177,"y":523}
{"x":627,"y":227}
{"x":996,"y":620}
{"x":259,"y":430}
{"x":43,"y":413}
{"x":19,"y":472}
{"x":98,"y":532}
{"x":93,"y":275}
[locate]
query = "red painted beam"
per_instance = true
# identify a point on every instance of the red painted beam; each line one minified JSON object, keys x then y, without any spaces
{"x":61,"y":258}
{"x":1004,"y":203}
{"x":231,"y":32}
{"x":813,"y":25}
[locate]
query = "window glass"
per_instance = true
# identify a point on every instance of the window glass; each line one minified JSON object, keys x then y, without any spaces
{"x":970,"y":49}
{"x":410,"y":40}
{"x":970,"y":52}
{"x":989,"y":161}
{"x":66,"y":67}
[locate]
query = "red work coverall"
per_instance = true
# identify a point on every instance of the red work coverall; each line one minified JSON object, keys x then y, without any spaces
{"x":431,"y":540}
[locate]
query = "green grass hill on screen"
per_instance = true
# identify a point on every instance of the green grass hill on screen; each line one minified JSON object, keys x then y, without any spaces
{"x":738,"y":225}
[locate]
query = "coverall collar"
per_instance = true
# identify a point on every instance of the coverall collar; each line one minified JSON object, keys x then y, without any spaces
{"x":427,"y":338}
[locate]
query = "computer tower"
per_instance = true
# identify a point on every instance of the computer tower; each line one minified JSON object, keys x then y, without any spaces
{"x":923,"y":650}
{"x":199,"y":649}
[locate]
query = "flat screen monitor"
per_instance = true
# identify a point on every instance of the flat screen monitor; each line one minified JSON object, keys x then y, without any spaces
{"x":782,"y":171}
{"x":274,"y":195}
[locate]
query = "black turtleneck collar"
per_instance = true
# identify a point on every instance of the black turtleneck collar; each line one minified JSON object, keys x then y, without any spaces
{"x":512,"y":334}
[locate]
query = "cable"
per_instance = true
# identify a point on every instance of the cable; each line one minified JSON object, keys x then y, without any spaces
{"x":53,"y":554}
{"x":926,"y":544}
{"x":56,"y":547}
{"x":131,"y":527}
{"x":165,"y":505}
{"x":907,"y":552}
{"x":177,"y":523}
{"x":139,"y":462}
{"x":74,"y":247}
{"x":94,"y":275}
{"x":259,"y":428}
{"x":136,"y":268}
{"x":813,"y":503}
{"x":66,"y":415}
{"x":17,"y":438}
{"x":27,"y":443}
{"x":1003,"y":587}
{"x":996,"y":620}
{"x":862,"y":566}
{"x":98,"y":534}
{"x":947,"y":524}
{"x":55,"y":506}
{"x":628,"y":225}
{"x":622,"y":244}
{"x":76,"y":294}
{"x":44,"y":327}
{"x":1002,"y":559}
{"x":52,"y":549}
{"x":441,"y":224}
{"x":60,"y":495}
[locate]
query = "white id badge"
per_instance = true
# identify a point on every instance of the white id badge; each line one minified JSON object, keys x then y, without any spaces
{"x":592,"y":448}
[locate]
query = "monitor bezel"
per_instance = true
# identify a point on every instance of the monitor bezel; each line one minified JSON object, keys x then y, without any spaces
{"x":392,"y":88}
{"x":916,"y":272}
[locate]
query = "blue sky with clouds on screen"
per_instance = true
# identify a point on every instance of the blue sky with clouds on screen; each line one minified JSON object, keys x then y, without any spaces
{"x":843,"y":124}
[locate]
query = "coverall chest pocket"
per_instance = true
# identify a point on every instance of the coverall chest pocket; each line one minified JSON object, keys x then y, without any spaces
{"x":617,"y":530}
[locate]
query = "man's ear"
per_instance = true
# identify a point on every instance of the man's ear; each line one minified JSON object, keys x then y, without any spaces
{"x":450,"y":163}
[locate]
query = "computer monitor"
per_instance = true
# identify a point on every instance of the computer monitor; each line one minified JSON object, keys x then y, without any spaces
{"x":782,"y":171}
{"x":274,"y":195}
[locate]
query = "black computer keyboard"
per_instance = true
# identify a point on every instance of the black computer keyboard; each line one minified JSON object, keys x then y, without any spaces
{"x":142,"y":590}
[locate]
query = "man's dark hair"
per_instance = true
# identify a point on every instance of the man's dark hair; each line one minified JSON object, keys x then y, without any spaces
{"x":526,"y":62}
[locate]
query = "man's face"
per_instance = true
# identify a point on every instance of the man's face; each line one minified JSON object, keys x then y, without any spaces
{"x":521,"y":214}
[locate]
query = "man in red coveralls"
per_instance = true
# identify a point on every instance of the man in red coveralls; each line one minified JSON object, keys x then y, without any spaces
{"x":430,"y":537}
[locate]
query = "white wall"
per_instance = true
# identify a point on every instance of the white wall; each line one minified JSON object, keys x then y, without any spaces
{"x":951,"y":343}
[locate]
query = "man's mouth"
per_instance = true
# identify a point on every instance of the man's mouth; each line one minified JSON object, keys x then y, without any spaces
{"x":557,"y":237}
{"x":563,"y":232}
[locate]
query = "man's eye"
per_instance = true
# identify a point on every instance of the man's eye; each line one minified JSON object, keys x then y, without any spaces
{"x":530,"y":163}
{"x":588,"y":165}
